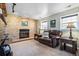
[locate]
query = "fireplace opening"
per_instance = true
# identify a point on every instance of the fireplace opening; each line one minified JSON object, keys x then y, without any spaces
{"x":24,"y":33}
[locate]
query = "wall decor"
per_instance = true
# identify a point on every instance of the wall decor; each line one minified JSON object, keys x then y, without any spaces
{"x":24,"y":23}
{"x":52,"y":23}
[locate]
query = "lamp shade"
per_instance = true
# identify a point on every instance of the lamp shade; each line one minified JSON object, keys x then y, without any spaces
{"x":70,"y":25}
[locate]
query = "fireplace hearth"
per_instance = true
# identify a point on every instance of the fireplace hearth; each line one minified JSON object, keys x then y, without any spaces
{"x":24,"y":33}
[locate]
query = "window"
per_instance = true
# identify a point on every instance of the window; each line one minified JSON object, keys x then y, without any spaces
{"x":44,"y":25}
{"x":71,"y":18}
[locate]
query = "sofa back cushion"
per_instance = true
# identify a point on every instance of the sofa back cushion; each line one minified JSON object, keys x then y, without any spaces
{"x":54,"y":33}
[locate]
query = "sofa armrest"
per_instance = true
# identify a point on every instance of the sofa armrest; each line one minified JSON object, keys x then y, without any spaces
{"x":37,"y":35}
{"x":54,"y":36}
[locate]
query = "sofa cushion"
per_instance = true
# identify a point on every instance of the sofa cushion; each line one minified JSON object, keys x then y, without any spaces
{"x":54,"y":33}
{"x":45,"y":34}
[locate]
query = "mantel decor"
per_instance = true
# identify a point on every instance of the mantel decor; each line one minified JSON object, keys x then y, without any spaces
{"x":52,"y":23}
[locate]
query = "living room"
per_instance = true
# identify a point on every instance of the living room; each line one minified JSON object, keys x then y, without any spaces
{"x":40,"y":29}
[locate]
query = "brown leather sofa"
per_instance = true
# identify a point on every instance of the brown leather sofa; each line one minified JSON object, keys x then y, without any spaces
{"x":52,"y":40}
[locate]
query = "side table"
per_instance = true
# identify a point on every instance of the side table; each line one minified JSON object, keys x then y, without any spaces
{"x":69,"y":45}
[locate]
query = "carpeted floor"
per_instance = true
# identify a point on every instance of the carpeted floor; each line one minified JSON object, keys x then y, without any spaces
{"x":34,"y":48}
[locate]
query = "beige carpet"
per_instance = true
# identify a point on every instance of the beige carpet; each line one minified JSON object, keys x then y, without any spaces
{"x":34,"y":48}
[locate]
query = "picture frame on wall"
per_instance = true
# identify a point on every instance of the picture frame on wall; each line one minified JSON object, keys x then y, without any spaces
{"x":24,"y":23}
{"x":52,"y":23}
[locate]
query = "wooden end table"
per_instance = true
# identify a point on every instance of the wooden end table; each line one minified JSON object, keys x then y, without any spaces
{"x":69,"y":45}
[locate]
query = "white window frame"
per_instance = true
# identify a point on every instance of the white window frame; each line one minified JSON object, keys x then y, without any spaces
{"x":41,"y":29}
{"x":61,"y":22}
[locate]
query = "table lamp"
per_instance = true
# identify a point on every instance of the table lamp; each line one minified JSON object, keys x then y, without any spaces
{"x":70,"y":26}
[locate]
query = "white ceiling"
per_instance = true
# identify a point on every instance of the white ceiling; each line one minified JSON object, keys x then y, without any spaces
{"x":39,"y":10}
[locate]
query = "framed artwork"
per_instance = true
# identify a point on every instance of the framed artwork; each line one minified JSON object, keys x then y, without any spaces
{"x":24,"y":23}
{"x":53,"y":23}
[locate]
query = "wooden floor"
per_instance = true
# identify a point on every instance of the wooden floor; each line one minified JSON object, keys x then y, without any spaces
{"x":34,"y":48}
